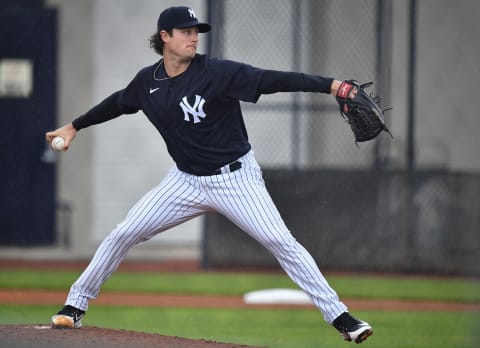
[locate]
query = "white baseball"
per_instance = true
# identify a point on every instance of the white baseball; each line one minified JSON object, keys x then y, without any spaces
{"x":58,"y":143}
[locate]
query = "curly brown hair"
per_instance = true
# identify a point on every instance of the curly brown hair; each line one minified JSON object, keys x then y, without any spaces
{"x":156,"y":42}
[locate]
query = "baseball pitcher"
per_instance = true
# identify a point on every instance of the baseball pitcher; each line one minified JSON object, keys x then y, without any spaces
{"x":194,"y":103}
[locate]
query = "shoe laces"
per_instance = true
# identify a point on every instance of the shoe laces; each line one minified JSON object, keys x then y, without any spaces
{"x":345,"y":322}
{"x":71,"y":312}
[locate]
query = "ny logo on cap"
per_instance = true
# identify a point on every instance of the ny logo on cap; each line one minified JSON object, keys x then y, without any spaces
{"x":192,"y":13}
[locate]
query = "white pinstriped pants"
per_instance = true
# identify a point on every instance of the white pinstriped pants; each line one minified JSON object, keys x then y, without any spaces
{"x":242,"y":197}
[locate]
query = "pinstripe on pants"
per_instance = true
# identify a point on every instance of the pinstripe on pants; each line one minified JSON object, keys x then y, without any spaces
{"x":242,"y":197}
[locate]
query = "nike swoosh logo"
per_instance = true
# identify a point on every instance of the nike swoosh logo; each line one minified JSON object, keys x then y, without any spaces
{"x":154,"y":89}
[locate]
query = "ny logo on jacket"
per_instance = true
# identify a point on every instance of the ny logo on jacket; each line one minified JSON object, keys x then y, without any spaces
{"x":196,"y":111}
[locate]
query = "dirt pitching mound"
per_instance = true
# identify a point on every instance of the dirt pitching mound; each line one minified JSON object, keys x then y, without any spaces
{"x":41,"y":336}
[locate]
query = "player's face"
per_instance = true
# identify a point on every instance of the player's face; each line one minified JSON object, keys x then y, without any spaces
{"x":183,"y":43}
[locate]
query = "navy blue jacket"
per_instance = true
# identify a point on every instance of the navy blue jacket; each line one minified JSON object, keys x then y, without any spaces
{"x":198,"y":112}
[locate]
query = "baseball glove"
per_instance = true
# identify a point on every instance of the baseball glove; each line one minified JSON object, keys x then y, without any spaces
{"x":361,"y":110}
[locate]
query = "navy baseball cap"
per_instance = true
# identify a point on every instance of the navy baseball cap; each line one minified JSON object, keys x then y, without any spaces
{"x":180,"y":17}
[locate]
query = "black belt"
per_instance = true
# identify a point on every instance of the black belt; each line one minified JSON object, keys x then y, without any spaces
{"x":232,"y":167}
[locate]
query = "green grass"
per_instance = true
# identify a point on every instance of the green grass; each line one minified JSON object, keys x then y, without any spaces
{"x":380,"y":287}
{"x":271,"y":328}
{"x":408,"y":288}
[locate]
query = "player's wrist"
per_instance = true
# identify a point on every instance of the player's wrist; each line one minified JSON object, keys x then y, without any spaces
{"x":334,"y":87}
{"x":73,"y":128}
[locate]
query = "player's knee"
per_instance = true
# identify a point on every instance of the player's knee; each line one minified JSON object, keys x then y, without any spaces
{"x":279,"y":242}
{"x":125,"y":236}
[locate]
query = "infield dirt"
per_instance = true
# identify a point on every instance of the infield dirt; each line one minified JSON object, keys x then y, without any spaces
{"x":38,"y":336}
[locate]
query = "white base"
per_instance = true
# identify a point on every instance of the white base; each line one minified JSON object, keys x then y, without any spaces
{"x":277,"y":296}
